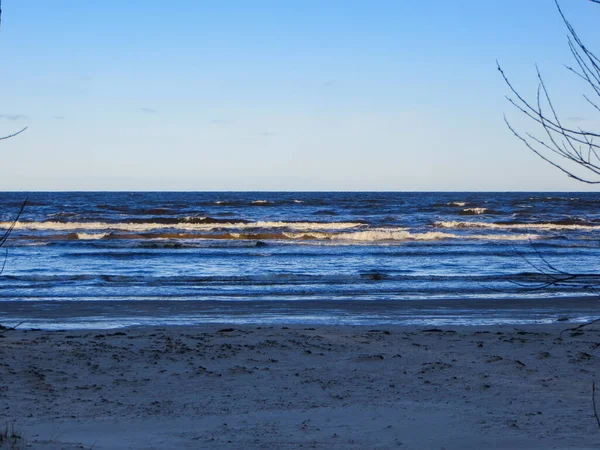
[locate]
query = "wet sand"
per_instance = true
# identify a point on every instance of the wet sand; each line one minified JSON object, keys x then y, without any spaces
{"x":56,"y":314}
{"x":223,"y":386}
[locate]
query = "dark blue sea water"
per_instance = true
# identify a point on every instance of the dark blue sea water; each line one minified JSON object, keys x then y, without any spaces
{"x":114,"y":259}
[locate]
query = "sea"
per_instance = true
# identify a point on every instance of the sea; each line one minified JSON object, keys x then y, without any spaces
{"x":114,"y":259}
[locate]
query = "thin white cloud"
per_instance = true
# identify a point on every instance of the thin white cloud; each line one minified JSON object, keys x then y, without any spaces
{"x":13,"y":116}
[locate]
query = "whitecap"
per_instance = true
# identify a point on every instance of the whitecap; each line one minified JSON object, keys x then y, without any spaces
{"x":93,"y":236}
{"x":517,"y":226}
{"x":475,"y":210}
{"x":400,"y":234}
{"x":142,"y":227}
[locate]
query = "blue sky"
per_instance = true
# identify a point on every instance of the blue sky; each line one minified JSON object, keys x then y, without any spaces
{"x":279,"y":95}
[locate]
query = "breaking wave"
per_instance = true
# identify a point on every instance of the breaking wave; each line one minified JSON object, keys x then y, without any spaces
{"x":93,"y":236}
{"x":403,"y":235}
{"x":375,"y":235}
{"x":348,"y":232}
{"x":475,"y":211}
{"x":193,"y":224}
{"x":548,"y":226}
{"x":261,"y":202}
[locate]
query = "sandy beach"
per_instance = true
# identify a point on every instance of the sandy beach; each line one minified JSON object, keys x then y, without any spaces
{"x":300,"y":225}
{"x":218,"y":386}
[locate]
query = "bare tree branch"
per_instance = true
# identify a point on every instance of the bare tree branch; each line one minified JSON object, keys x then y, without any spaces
{"x":6,"y":234}
{"x":572,"y":151}
{"x":18,"y":132}
{"x":3,"y":330}
{"x":594,"y":389}
{"x":12,"y":135}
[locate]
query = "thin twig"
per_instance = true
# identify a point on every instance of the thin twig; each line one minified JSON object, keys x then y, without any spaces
{"x":6,"y":330}
{"x":18,"y":132}
{"x":13,"y":135}
{"x":4,"y":262}
{"x":6,"y":234}
{"x":579,"y":327}
{"x":594,"y":403}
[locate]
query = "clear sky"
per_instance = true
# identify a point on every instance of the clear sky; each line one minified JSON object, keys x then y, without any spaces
{"x":280,"y":95}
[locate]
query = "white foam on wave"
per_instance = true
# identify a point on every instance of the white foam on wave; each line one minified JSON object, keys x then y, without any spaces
{"x":457,"y":204}
{"x":319,"y":231}
{"x":91,"y":236}
{"x":517,"y":226}
{"x":400,"y":234}
{"x":333,"y":232}
{"x":475,"y":210}
{"x":143,"y":227}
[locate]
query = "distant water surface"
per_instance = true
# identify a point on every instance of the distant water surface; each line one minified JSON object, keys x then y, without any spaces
{"x":113,"y":259}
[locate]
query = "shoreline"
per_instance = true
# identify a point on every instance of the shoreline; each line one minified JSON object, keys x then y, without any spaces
{"x":293,"y":386}
{"x":117,"y":314}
